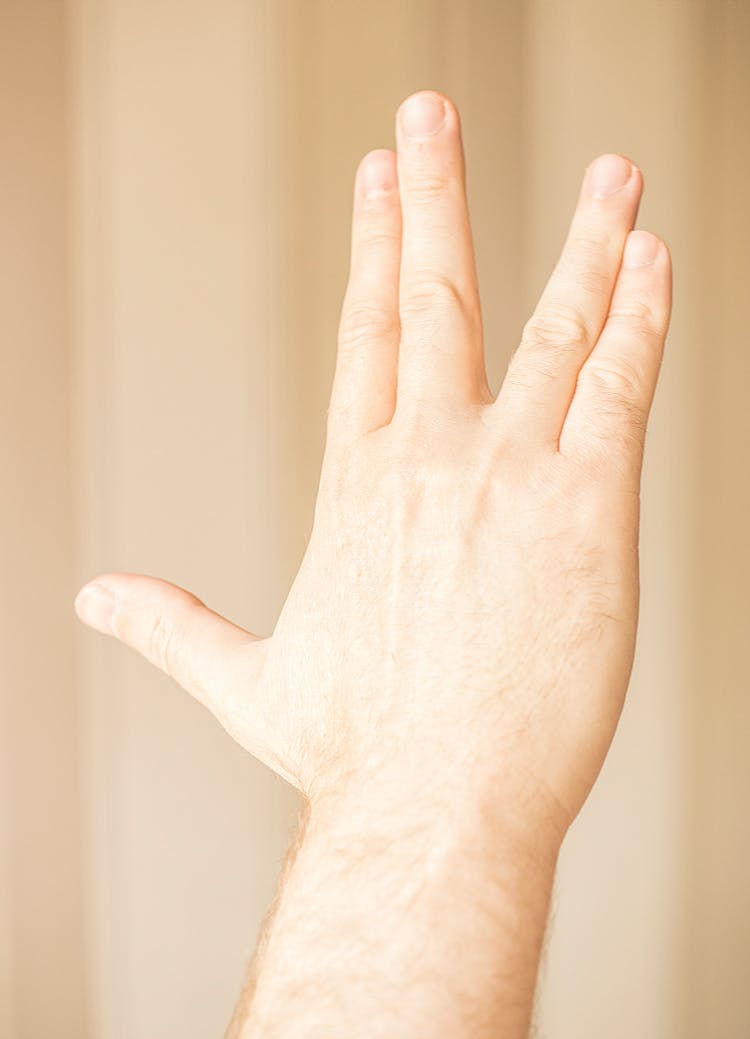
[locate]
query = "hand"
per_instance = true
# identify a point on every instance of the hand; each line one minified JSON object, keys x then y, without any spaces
{"x":465,"y":614}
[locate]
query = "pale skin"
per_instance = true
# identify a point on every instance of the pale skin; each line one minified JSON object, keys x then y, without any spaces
{"x":445,"y":678}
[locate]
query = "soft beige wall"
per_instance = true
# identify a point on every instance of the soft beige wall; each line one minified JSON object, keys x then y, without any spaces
{"x":41,"y":909}
{"x":174,"y":253}
{"x":718,"y":920}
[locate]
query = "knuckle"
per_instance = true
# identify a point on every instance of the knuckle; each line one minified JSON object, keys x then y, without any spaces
{"x":556,"y":325}
{"x":162,"y":643}
{"x":550,"y":342}
{"x":431,"y":292}
{"x":591,"y":244}
{"x":595,"y":282}
{"x":426,"y":188}
{"x":380,"y":238}
{"x":374,"y":229}
{"x":363,"y":323}
{"x":639,"y":317}
{"x":616,"y":381}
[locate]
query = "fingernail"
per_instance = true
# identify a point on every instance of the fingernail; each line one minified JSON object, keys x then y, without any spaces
{"x":376,"y":175}
{"x":422,"y":115}
{"x":641,"y":248}
{"x":95,"y":605}
{"x":608,"y":174}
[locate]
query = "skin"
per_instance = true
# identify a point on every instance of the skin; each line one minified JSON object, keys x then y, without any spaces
{"x":446,"y":675}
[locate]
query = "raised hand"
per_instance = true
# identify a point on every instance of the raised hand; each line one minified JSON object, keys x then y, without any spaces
{"x":463,"y":622}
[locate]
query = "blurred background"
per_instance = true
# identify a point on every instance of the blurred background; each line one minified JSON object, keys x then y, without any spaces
{"x":175,"y":192}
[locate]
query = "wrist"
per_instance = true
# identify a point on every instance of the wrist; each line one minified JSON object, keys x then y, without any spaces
{"x":508,"y":813}
{"x":443,"y":824}
{"x":424,"y":882}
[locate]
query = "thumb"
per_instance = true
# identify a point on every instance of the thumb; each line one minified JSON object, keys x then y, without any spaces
{"x":216,"y":661}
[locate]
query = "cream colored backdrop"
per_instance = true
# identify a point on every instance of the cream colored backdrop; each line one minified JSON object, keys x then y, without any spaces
{"x":175,"y":192}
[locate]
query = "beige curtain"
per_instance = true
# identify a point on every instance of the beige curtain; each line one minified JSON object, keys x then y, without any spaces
{"x":175,"y":188}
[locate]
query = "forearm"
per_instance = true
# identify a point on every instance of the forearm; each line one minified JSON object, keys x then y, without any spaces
{"x":397,"y":911}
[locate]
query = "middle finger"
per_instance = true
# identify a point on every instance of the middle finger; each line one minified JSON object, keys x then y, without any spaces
{"x":441,"y":353}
